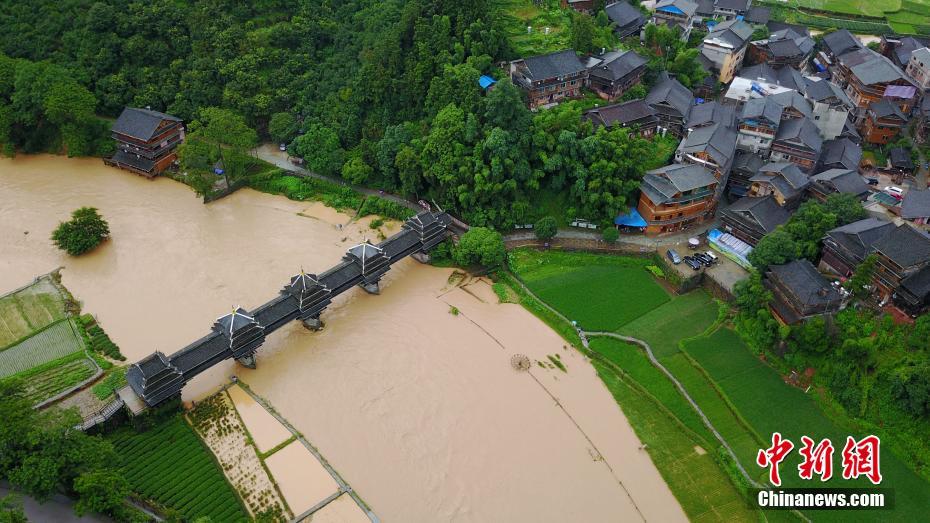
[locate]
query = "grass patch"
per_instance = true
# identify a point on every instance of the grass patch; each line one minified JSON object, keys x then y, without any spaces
{"x":517,"y":15}
{"x":682,"y":317}
{"x":557,"y":361}
{"x":169,"y":465}
{"x":56,"y":341}
{"x":696,"y":480}
{"x":25,"y":312}
{"x":114,"y":380}
{"x":600,"y":292}
{"x":770,"y":405}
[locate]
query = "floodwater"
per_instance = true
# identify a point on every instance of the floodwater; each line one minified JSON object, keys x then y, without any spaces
{"x":267,"y":433}
{"x":417,"y":408}
{"x":302,"y":479}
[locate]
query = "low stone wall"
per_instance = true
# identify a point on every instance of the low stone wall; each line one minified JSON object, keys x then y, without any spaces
{"x":579,"y":244}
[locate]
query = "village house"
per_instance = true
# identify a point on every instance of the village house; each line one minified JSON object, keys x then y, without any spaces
{"x":829,"y":106}
{"x":671,"y":102}
{"x":838,"y":43}
{"x":900,"y":48}
{"x":146,"y":141}
{"x":759,"y":81}
{"x":549,"y":78}
{"x":918,"y":67}
{"x":783,"y":180}
{"x":745,"y":166}
{"x":840,"y":153}
{"x":869,"y":77}
{"x":845,"y":247}
{"x":612,"y":74}
{"x":758,"y":123}
{"x":582,"y":6}
{"x":635,"y":114}
{"x":922,"y":114}
{"x":799,"y":142}
{"x":838,"y":181}
{"x":725,"y":47}
{"x":900,"y":164}
{"x":675,"y":13}
{"x":750,"y":219}
{"x":731,"y":9}
{"x":916,"y":206}
{"x":901,"y":253}
{"x":794,"y":105}
{"x":913,"y":296}
{"x":883,"y":121}
{"x":712,"y":146}
{"x":675,"y":197}
{"x":627,"y":19}
{"x":800,"y":292}
{"x":782,"y":48}
{"x":710,"y":113}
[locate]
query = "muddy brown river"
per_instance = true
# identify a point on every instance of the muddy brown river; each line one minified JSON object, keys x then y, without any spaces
{"x":417,"y":408}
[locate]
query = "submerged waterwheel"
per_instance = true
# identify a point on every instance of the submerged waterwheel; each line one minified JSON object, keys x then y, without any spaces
{"x":520,"y":362}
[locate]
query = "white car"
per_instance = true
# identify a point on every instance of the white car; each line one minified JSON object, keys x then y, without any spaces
{"x":897,"y":192}
{"x":282,"y":147}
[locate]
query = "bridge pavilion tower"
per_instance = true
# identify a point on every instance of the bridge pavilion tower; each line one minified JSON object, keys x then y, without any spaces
{"x":312,"y":297}
{"x":372,"y":262}
{"x":243,"y":335}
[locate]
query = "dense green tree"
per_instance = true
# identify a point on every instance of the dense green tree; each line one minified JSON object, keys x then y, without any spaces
{"x":11,"y":510}
{"x":218,"y":136}
{"x":356,"y":171}
{"x":282,"y":127}
{"x":82,"y":233}
{"x":610,"y":234}
{"x":846,"y":207}
{"x":546,"y":228}
{"x":320,"y":148}
{"x":859,"y":283}
{"x":582,"y":33}
{"x":775,"y":248}
{"x":505,"y":108}
{"x":102,"y":491}
{"x":687,"y":69}
{"x":480,"y":245}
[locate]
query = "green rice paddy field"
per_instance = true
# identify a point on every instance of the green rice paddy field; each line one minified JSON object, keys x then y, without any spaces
{"x":169,"y":464}
{"x":903,"y":16}
{"x":744,"y":399}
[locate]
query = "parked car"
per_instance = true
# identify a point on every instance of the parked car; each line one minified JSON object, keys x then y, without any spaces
{"x":673,"y":256}
{"x":872,"y":181}
{"x":897,"y":192}
{"x":712,"y":256}
{"x":703,"y":259}
{"x":693,"y":263}
{"x":282,"y":147}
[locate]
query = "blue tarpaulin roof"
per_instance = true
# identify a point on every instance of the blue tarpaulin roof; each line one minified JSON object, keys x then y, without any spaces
{"x":671,"y":9}
{"x":486,"y":81}
{"x":630,"y":220}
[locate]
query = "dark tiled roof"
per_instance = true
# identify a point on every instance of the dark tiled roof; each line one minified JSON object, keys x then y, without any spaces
{"x":841,"y":152}
{"x":807,"y":285}
{"x":776,"y":25}
{"x":840,"y":42}
{"x":624,"y":14}
{"x":800,"y":130}
{"x":765,"y":108}
{"x":662,"y":184}
{"x":140,"y":123}
{"x":885,"y":109}
{"x":783,"y":76}
{"x":901,"y":158}
{"x":685,"y":6}
{"x":870,"y":67}
{"x":735,"y":5}
{"x":793,"y":100}
{"x":859,"y":236}
{"x":758,"y":15}
{"x":765,"y":212}
{"x":709,"y":113}
{"x":552,"y":65}
{"x":785,"y":176}
{"x":905,"y":246}
{"x":747,"y":162}
{"x":619,"y":66}
{"x":824,"y":90}
{"x":734,"y":32}
{"x":139,"y":162}
{"x":718,"y":141}
{"x":908,"y":45}
{"x":670,"y":92}
{"x":705,"y":8}
{"x":623,"y":114}
{"x":843,"y":181}
{"x":916,"y":204}
{"x":918,"y":283}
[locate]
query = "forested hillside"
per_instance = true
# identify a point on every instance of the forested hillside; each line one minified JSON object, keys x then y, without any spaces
{"x":383,"y":93}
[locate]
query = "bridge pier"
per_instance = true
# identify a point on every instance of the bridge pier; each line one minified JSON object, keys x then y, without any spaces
{"x":422,"y":257}
{"x":313,"y":323}
{"x":371,"y":288}
{"x":247,"y":361}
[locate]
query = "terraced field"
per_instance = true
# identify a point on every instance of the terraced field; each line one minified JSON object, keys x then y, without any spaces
{"x":171,"y":466}
{"x":58,"y":376}
{"x":29,"y":310}
{"x":53,"y":343}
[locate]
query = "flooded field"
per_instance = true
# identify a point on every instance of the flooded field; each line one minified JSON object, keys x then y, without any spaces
{"x":417,"y":408}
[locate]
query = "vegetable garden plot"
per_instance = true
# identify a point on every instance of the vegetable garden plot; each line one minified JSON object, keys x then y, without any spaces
{"x":56,"y":341}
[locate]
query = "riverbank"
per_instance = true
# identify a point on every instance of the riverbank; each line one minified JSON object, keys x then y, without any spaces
{"x":419,"y":409}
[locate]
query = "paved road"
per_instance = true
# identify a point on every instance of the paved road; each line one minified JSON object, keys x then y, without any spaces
{"x":632,"y":239}
{"x":59,"y":509}
{"x":271,"y":154}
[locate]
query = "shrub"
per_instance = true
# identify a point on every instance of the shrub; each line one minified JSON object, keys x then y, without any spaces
{"x":611,"y":234}
{"x":656,"y":271}
{"x":546,"y":228}
{"x":480,"y":245}
{"x":86,"y":230}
